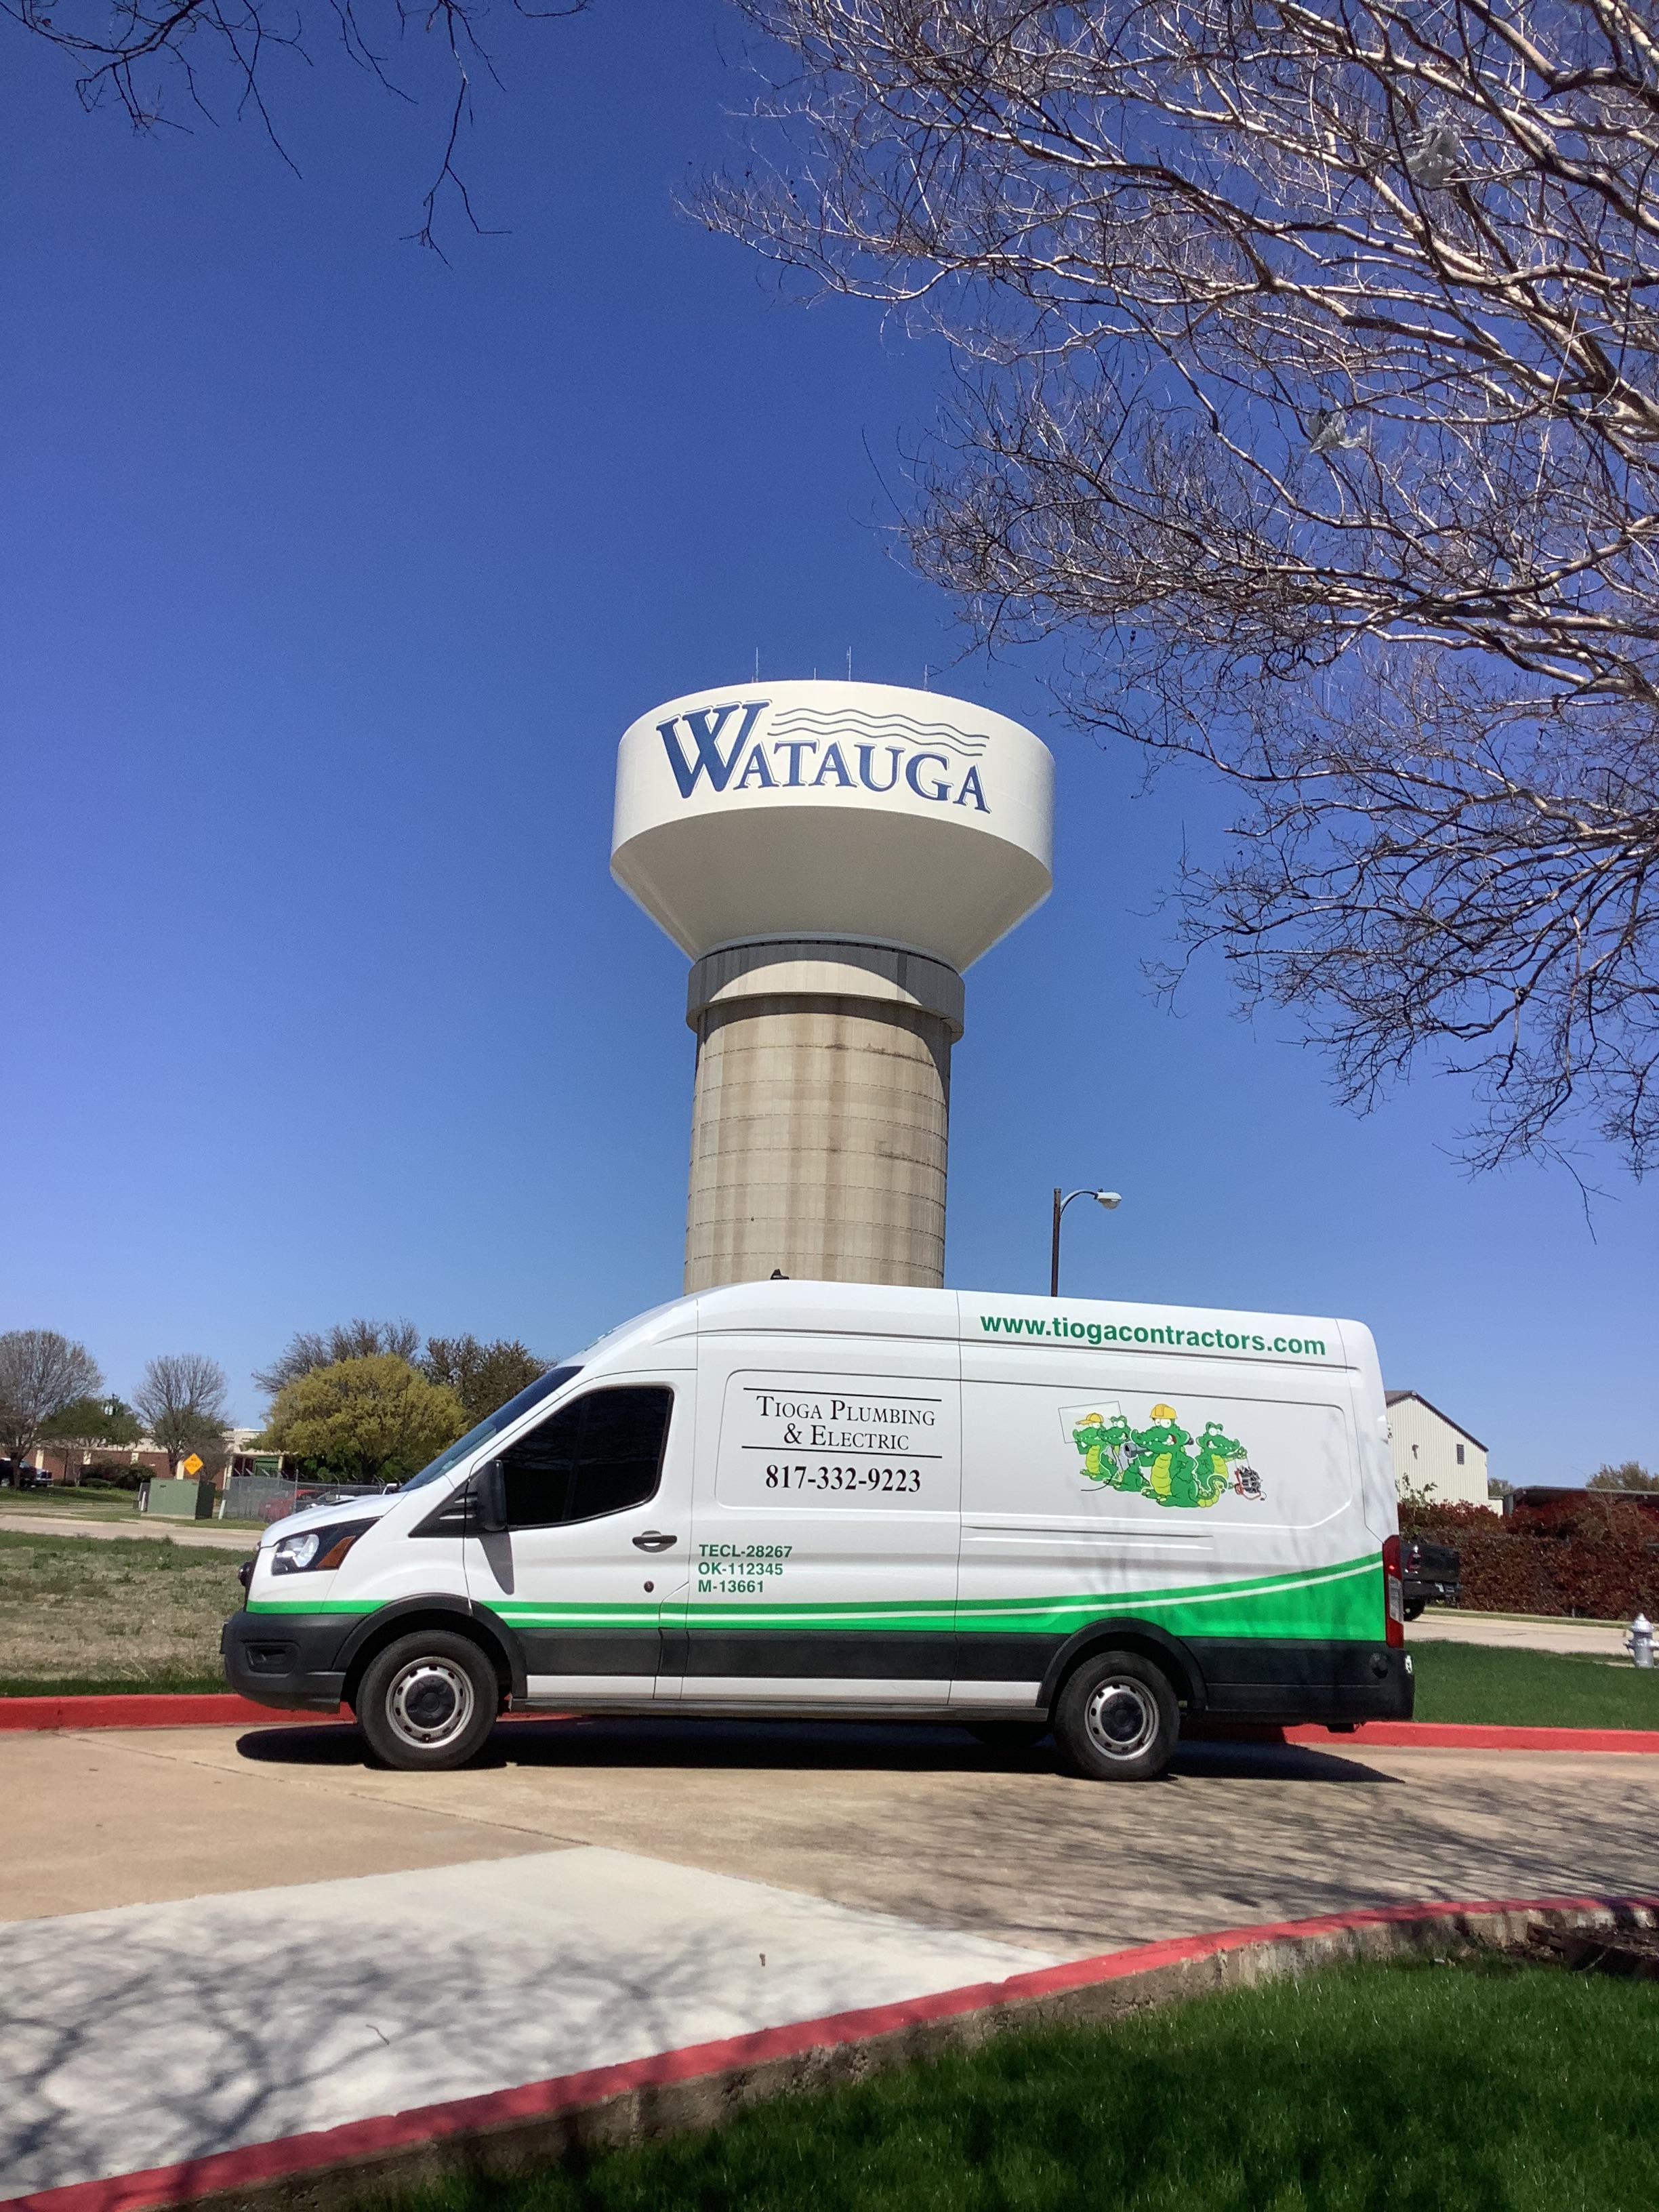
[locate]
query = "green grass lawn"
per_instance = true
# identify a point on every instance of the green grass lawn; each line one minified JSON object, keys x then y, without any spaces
{"x":1405,"y":2088}
{"x":1531,"y":1689}
{"x":92,"y":1613}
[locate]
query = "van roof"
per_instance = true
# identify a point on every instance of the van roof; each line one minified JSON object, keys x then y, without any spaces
{"x":993,"y":1316}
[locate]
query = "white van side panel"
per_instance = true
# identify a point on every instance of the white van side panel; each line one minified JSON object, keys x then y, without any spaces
{"x":825,"y":1535}
{"x":1249,"y":1523}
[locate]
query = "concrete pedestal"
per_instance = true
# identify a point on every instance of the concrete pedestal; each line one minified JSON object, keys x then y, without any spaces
{"x":821,"y":1117}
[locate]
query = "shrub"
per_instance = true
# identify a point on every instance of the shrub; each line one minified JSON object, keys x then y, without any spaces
{"x":1601,"y":1559}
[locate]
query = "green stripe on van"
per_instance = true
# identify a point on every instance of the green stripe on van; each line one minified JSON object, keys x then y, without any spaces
{"x":1340,"y":1602}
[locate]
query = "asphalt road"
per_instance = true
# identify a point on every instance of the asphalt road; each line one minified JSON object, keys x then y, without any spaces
{"x":181,"y":1532}
{"x":919,"y":1821}
{"x":1514,"y":1632}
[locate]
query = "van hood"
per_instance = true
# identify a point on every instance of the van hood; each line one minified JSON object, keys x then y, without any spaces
{"x":319,"y":1516}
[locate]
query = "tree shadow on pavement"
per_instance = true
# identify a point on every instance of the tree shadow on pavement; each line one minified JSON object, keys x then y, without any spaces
{"x":923,"y":1823}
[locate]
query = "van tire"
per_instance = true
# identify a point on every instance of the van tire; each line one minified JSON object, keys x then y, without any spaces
{"x":429,"y":1701}
{"x":1117,"y":1719}
{"x":1008,"y":1738}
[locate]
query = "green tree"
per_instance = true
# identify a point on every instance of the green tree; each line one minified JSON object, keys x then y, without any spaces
{"x":484,"y":1377}
{"x":364,"y":1421}
{"x":85,"y":1424}
{"x":1630,"y":1475}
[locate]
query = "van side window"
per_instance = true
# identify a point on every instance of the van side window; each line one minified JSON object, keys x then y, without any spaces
{"x":599,"y":1454}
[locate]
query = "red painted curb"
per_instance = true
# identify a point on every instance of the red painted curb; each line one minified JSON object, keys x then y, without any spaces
{"x":145,"y":1709}
{"x":1458,"y":1735}
{"x":223,"y":1709}
{"x":329,"y":2147}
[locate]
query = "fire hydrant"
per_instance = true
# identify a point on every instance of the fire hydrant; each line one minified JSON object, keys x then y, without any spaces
{"x":1640,"y":1640}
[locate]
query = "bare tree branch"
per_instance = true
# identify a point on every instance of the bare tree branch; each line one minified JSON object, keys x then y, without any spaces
{"x":181,"y":1403}
{"x":1307,"y":362}
{"x":41,"y":1372}
{"x":152,"y":61}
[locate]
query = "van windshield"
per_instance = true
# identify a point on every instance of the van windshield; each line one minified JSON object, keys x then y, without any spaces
{"x":492,"y":1425}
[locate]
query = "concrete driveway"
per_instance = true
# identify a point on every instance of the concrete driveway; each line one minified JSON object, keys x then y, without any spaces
{"x":296,"y":1939}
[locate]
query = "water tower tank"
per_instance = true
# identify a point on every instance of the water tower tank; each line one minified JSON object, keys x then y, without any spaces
{"x":832,"y":856}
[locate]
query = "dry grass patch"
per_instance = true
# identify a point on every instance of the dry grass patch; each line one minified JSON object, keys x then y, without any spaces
{"x":82,"y":1609}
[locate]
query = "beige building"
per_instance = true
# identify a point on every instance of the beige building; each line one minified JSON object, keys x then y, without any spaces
{"x":1432,"y":1454}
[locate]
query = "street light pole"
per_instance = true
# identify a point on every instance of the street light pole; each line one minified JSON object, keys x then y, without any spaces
{"x":1108,"y":1198}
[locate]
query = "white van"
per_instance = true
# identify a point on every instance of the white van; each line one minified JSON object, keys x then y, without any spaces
{"x":831,"y":1498}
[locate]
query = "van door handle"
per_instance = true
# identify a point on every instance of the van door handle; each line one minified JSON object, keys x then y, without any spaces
{"x":653,"y":1539}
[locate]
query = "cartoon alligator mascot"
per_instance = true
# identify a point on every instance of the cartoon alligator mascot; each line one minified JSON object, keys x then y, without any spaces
{"x":1171,"y":1472}
{"x":1157,"y":1460}
{"x":1215,"y":1449}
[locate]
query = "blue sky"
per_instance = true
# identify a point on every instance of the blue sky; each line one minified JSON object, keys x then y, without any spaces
{"x":332,"y":576}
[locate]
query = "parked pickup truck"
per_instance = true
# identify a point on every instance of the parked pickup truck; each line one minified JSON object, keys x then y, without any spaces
{"x":1431,"y":1572}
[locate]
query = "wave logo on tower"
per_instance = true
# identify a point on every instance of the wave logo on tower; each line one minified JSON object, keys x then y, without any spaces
{"x":741,"y":746}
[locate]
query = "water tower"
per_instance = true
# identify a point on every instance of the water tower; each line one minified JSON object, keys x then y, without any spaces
{"x":833,"y":856}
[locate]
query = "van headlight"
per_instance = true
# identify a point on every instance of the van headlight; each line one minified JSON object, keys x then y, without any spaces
{"x":311,"y":1550}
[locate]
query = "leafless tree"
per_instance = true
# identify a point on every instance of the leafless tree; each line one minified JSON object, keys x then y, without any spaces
{"x":347,"y":1340}
{"x":162,"y":62}
{"x":1306,"y":383}
{"x":41,"y":1373}
{"x":181,"y":1403}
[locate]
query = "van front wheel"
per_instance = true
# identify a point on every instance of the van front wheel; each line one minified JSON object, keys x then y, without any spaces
{"x":1117,"y":1719}
{"x":427,"y":1701}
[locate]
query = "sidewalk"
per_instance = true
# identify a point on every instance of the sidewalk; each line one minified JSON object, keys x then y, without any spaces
{"x":182,"y":1532}
{"x":1517,"y":1633}
{"x":265,"y":2014}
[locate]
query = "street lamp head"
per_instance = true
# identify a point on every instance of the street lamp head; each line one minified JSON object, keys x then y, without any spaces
{"x":1108,"y":1198}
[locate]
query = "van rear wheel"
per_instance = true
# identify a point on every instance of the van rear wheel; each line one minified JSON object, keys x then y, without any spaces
{"x":1117,"y":1719}
{"x":427,"y":1701}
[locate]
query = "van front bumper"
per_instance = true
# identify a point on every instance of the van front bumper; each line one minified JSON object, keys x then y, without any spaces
{"x":289,"y":1660}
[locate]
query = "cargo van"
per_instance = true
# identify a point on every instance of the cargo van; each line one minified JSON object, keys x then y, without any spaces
{"x":819,"y":1499}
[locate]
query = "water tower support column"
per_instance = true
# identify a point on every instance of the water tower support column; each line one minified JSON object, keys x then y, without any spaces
{"x":821,"y":1116}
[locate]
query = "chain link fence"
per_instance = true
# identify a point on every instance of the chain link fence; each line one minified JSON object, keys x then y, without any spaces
{"x":272,"y":1498}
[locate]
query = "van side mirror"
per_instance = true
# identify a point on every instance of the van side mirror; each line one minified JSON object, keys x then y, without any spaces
{"x":489,"y":1499}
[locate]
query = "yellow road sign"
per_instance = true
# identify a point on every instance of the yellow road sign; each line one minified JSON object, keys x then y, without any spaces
{"x":193,"y":1464}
